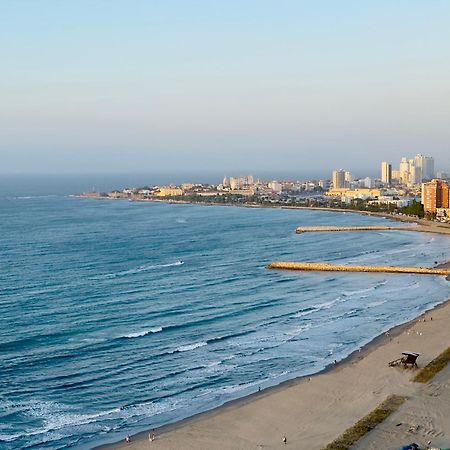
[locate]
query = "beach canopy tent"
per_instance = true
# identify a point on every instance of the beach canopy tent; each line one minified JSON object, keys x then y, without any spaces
{"x":408,"y":358}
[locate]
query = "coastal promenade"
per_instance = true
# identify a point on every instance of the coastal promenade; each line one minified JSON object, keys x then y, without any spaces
{"x":325,"y":267}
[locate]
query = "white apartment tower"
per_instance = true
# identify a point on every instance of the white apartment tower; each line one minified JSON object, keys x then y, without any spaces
{"x":415,"y":173}
{"x":404,"y":171}
{"x":410,"y":172}
{"x":386,"y":173}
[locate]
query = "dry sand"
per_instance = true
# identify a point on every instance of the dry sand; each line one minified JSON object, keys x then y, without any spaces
{"x":423,"y":418}
{"x":311,"y":412}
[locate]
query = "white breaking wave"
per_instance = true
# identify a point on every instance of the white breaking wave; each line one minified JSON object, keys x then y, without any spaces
{"x":186,"y":348}
{"x":29,"y":197}
{"x":55,"y":417}
{"x":142,"y":333}
{"x":365,"y":290}
{"x":139,"y":269}
{"x":318,"y":307}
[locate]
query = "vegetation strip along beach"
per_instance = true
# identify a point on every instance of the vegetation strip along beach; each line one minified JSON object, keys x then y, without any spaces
{"x":367,"y":423}
{"x":432,"y":368}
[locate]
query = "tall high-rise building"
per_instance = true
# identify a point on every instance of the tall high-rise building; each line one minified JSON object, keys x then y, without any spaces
{"x":410,"y":171}
{"x":338,"y":179}
{"x":426,"y":163}
{"x":435,"y":194}
{"x":349,"y":178}
{"x":404,"y":171}
{"x":386,"y":173}
{"x":415,"y":173}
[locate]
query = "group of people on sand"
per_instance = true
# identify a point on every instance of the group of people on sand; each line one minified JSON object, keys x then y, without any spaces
{"x":151,"y":437}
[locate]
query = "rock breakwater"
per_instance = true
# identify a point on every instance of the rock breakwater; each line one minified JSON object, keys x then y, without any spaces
{"x":300,"y":230}
{"x":316,"y":266}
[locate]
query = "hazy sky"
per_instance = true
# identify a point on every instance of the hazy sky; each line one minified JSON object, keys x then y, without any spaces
{"x":242,"y":86}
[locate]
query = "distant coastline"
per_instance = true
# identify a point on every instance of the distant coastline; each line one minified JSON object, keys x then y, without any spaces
{"x":422,"y":225}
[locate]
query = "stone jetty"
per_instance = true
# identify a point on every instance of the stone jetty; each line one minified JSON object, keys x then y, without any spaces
{"x":316,"y":266}
{"x":352,"y":228}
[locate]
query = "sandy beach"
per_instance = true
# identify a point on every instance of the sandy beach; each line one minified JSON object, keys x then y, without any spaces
{"x":311,"y":412}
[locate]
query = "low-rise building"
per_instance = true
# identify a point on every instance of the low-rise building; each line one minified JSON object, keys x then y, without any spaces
{"x":168,"y":192}
{"x":276,"y":187}
{"x":362,"y":193}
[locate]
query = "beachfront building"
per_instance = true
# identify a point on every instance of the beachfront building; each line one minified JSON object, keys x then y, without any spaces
{"x":168,"y":192}
{"x":435,"y":194}
{"x":338,"y":179}
{"x":386,"y":173}
{"x":350,"y":194}
{"x":392,"y":200}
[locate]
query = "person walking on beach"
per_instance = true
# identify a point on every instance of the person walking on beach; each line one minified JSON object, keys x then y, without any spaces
{"x":284,"y":440}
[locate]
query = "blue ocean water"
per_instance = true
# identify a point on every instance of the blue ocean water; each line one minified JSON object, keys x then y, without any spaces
{"x":119,"y":316}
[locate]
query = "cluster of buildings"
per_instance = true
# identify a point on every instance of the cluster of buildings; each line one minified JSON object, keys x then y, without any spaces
{"x":415,"y":179}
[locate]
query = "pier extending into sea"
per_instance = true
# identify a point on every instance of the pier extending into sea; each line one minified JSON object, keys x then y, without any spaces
{"x":325,"y":267}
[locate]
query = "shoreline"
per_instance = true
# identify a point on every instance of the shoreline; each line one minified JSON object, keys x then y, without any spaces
{"x":140,"y":440}
{"x":422,"y":225}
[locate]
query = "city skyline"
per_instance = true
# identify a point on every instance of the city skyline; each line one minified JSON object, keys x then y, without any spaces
{"x":110,"y":87}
